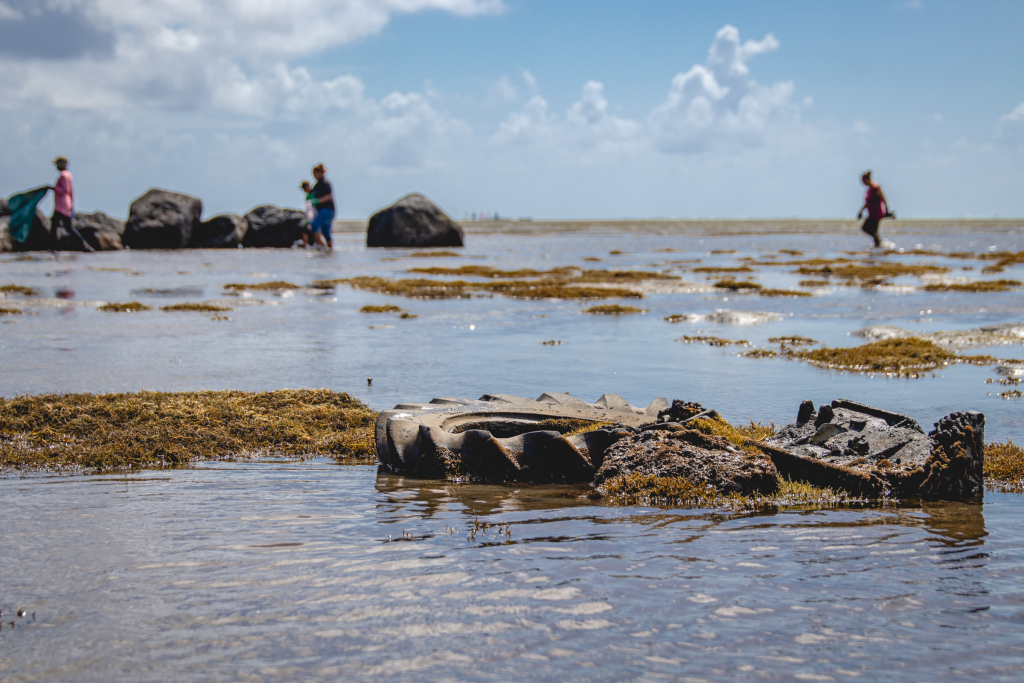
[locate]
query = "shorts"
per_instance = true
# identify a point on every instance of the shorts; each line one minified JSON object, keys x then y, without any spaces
{"x":322,"y":222}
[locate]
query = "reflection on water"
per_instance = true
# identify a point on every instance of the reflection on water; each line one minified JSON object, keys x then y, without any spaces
{"x":312,"y":571}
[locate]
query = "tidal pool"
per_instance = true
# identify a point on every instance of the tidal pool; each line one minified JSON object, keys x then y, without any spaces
{"x":277,"y":570}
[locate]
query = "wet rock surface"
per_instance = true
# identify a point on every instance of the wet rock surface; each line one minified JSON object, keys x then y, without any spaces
{"x":870,"y":451}
{"x":675,"y":451}
{"x":272,"y":226}
{"x":100,"y":231}
{"x":845,"y":445}
{"x":413,"y":221}
{"x":225,"y":231}
{"x":161,"y":219}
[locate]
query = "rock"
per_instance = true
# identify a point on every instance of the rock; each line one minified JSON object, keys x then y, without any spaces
{"x":413,"y":221}
{"x":38,"y":235}
{"x":100,"y":231}
{"x":874,"y":452}
{"x":225,"y":231}
{"x":880,"y":332}
{"x":680,"y":411}
{"x":700,"y":458}
{"x":272,"y":226}
{"x":162,"y":220}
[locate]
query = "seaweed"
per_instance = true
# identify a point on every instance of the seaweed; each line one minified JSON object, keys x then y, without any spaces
{"x":276,"y":285}
{"x":1004,"y":466}
{"x":460,"y":289}
{"x":905,"y":357}
{"x":875,"y":272}
{"x":152,"y":429}
{"x":793,"y":339}
{"x":723,"y":251}
{"x":405,"y":315}
{"x":130,"y":307}
{"x":737,"y":285}
{"x":782,"y":292}
{"x":198,"y":307}
{"x":10,"y":311}
{"x":613,"y":309}
{"x":441,"y":253}
{"x":814,"y":283}
{"x":980,"y":286}
{"x":18,"y":289}
{"x":494,"y":273}
{"x":386,"y":308}
{"x":712,"y":341}
{"x":716,"y":269}
{"x":552,"y":342}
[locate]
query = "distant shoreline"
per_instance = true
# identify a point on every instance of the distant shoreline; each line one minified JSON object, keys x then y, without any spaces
{"x":718,"y":226}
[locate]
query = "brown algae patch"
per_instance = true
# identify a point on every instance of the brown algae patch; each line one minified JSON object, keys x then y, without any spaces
{"x":151,"y":429}
{"x":1004,"y":466}
{"x":422,"y":288}
{"x":441,"y":253}
{"x":130,"y":307}
{"x":737,"y":285}
{"x":782,"y":292}
{"x":793,"y":339}
{"x":18,"y":289}
{"x":494,"y":273}
{"x":10,"y":311}
{"x":613,"y":309}
{"x":904,"y":357}
{"x":274,"y":286}
{"x":1003,"y":260}
{"x":712,"y":341}
{"x":197,"y":307}
{"x":713,"y":269}
{"x":386,"y":308}
{"x":814,"y":283}
{"x":552,"y":342}
{"x":873,"y":273}
{"x":405,"y":315}
{"x":980,"y":286}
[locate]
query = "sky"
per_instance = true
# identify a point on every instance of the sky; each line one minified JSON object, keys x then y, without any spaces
{"x":583,"y":109}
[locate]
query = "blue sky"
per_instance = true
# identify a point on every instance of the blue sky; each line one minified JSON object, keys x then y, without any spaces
{"x":558,"y":109}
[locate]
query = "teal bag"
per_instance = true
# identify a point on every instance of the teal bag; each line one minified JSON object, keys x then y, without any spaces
{"x":23,"y":211}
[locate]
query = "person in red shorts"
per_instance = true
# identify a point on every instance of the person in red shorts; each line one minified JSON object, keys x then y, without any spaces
{"x":64,"y":206}
{"x":876,"y":205}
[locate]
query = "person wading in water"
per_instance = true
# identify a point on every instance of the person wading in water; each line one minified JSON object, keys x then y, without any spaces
{"x":64,"y":206}
{"x":876,"y":205}
{"x":323,"y":200}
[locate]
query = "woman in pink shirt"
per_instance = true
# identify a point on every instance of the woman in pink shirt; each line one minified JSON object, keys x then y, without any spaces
{"x":876,"y":205}
{"x":64,"y":205}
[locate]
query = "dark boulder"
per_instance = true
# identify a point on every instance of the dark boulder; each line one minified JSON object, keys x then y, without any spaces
{"x":674,"y":451}
{"x":100,"y":231}
{"x":413,"y":221}
{"x":162,"y":220}
{"x":225,"y":231}
{"x":870,"y":451}
{"x":272,"y":226}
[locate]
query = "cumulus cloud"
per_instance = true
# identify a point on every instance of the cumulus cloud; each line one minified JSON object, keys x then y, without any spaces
{"x":712,"y":104}
{"x":179,"y":53}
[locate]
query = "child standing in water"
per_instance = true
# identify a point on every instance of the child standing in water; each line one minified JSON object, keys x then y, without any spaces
{"x":308,"y":232}
{"x":876,"y":205}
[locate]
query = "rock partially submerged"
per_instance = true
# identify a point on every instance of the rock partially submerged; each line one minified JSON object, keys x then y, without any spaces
{"x":100,"y":231}
{"x":272,"y":226}
{"x":225,"y":231}
{"x":846,"y":446}
{"x":413,"y":221}
{"x":869,"y":451}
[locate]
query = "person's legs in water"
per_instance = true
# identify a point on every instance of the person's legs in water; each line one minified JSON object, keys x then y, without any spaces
{"x":871,"y":228}
{"x":59,"y":220}
{"x":322,"y":227}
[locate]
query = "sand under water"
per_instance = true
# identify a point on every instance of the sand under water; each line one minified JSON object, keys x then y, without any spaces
{"x":276,"y":569}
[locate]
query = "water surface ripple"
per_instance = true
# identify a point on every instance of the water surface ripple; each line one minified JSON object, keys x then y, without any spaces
{"x":281,"y":571}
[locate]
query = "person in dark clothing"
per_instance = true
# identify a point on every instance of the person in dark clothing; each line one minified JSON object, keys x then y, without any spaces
{"x":323,"y":201}
{"x":876,"y":205}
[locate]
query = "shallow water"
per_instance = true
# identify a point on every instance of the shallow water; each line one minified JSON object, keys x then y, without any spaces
{"x":277,"y":570}
{"x":315,"y":571}
{"x":493,"y":345}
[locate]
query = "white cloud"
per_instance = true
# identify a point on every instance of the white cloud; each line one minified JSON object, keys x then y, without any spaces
{"x":714,"y":104}
{"x":1010,"y":129}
